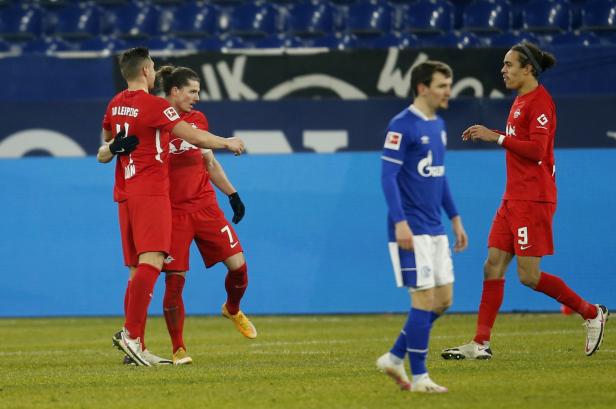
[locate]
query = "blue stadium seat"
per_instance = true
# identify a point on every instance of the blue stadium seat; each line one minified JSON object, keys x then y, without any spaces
{"x":369,"y":18}
{"x":219,"y":43}
{"x":131,"y":21}
{"x":547,"y":16}
{"x":334,"y":41}
{"x":77,"y":21}
{"x":47,"y":46}
{"x":4,"y":47}
{"x":257,"y":19}
{"x":452,"y":39}
{"x":509,"y":39}
{"x":575,"y":38}
{"x":388,"y":40}
{"x":191,"y":20}
{"x":103,"y":44}
{"x":487,"y":16}
{"x":278,"y":41}
{"x":429,"y":16}
{"x":20,"y":22}
{"x":599,"y":15}
{"x":307,"y":19}
{"x":167,"y":44}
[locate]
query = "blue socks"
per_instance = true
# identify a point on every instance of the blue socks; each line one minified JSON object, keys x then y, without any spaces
{"x":400,"y":346}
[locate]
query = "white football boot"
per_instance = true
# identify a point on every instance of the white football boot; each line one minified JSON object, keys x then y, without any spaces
{"x":130,"y":346}
{"x":472,"y":350}
{"x":426,"y":385}
{"x":386,"y":365}
{"x":595,"y":329}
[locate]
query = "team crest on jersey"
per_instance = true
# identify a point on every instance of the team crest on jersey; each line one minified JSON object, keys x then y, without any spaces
{"x":178,"y":146}
{"x":393,"y":140}
{"x":171,"y":113}
{"x":517,"y":113}
{"x":425,"y":140}
{"x":542,"y":119}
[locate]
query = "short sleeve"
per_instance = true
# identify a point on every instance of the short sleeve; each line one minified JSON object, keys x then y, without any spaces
{"x":160,"y":114}
{"x":201,"y":121}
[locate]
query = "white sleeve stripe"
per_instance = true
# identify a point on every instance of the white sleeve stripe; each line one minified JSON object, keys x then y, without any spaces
{"x":392,"y":160}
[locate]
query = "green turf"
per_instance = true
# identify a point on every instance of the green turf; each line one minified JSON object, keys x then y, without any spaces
{"x":301,"y":362}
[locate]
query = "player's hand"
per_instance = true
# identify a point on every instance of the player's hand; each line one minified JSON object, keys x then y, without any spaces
{"x":235,"y":145}
{"x":122,"y":144}
{"x":404,"y":236}
{"x":238,"y":207}
{"x":466,"y":135}
{"x":461,"y":237}
{"x":480,"y":133}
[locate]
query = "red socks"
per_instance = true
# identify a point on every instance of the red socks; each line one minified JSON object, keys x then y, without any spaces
{"x":557,"y":289}
{"x":173,"y":308}
{"x":491,"y":300}
{"x":126,"y":297}
{"x":140,"y":295}
{"x":235,"y":284}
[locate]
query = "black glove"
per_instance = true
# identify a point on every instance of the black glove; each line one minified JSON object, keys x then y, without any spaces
{"x":122,"y":144}
{"x":237,"y":206}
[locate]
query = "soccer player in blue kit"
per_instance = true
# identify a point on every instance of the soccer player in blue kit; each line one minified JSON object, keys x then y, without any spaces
{"x":416,"y":188}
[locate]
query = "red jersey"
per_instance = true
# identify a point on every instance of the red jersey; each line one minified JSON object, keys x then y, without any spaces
{"x":532,"y":118}
{"x":151,"y":118}
{"x":190,"y":189}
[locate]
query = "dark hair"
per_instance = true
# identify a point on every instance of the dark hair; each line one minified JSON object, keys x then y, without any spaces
{"x":169,"y":76}
{"x":422,"y":73}
{"x":132,"y":60}
{"x":531,"y":54}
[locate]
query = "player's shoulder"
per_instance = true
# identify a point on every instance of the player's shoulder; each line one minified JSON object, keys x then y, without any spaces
{"x":543,"y":95}
{"x":193,"y":115}
{"x":403,"y":120}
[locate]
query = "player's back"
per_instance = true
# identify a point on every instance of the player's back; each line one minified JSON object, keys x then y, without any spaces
{"x":190,"y":189}
{"x":150,"y":118}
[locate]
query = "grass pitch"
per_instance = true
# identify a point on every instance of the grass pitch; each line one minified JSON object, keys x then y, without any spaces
{"x":302,"y":362}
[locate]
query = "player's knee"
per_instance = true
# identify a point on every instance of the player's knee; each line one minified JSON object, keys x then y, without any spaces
{"x":440,"y":306}
{"x":528,"y":278}
{"x":491,"y":268}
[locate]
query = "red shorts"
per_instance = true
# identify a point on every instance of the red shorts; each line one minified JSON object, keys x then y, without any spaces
{"x":523,"y":228}
{"x":213,"y":234}
{"x":145,"y":225}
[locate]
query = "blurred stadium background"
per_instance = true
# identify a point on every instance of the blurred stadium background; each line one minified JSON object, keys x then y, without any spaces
{"x":310,"y":86}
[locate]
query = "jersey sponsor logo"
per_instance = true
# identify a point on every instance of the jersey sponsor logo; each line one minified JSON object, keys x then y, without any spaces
{"x":517,"y":113}
{"x":171,"y":113}
{"x":178,"y":146}
{"x":542,"y":119}
{"x":425,"y":140}
{"x":425,"y":168}
{"x":510,"y":130}
{"x":393,"y":140}
{"x":125,"y":111}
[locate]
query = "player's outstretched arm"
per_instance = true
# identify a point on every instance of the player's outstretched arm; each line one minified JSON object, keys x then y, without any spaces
{"x":222,"y":182}
{"x":217,"y":173}
{"x":207,"y":140}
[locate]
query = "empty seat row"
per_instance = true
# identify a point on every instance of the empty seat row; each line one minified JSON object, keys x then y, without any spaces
{"x":309,"y":18}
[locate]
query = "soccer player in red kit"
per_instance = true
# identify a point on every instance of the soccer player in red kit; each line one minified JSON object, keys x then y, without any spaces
{"x":197,"y":216}
{"x":522,"y":225}
{"x":142,"y":185}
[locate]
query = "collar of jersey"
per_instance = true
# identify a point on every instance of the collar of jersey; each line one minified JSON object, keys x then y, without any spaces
{"x":420,"y":114}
